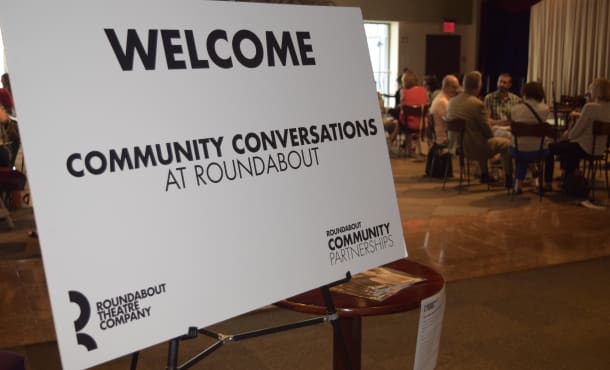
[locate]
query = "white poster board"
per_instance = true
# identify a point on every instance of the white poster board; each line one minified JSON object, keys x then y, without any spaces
{"x":191,"y":161}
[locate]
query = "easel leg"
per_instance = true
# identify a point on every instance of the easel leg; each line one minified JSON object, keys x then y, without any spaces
{"x":172,"y":355}
{"x":134,"y":360}
{"x":348,"y":343}
{"x":342,"y":339}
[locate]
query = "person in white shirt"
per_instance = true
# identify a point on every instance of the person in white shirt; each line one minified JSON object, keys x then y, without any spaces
{"x":438,"y":109}
{"x":533,"y":111}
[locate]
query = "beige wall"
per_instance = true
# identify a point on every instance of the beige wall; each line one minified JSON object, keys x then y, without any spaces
{"x":419,"y":11}
{"x":418,"y":18}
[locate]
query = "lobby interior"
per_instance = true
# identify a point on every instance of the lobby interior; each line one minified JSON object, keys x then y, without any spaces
{"x":526,"y":281}
{"x":526,"y":278}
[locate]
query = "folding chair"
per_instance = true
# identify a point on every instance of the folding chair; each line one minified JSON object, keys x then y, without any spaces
{"x":599,"y":159}
{"x":540,"y":131}
{"x":458,"y":126}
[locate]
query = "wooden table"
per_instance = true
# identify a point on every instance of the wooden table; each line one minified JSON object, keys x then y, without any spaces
{"x":351,"y":309}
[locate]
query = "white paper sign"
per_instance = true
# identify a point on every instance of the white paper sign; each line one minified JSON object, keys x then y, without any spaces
{"x":429,"y":331}
{"x":191,"y":161}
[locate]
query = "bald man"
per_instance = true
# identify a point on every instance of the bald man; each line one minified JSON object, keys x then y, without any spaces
{"x":450,"y":88}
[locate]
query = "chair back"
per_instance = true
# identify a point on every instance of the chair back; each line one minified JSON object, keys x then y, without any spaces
{"x":415,"y":110}
{"x":528,"y":129}
{"x":600,"y":128}
{"x":419,"y":111}
{"x":522,"y":129}
{"x":431,"y":129}
{"x":573,"y":102}
{"x":457,"y":126}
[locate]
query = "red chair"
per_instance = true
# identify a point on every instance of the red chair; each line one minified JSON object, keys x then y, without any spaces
{"x":420,"y":112}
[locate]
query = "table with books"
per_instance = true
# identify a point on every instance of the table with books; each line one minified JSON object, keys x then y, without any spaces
{"x":394,"y":287}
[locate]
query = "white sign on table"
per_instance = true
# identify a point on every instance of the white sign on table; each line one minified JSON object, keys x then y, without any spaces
{"x":191,"y":161}
{"x":429,"y":331}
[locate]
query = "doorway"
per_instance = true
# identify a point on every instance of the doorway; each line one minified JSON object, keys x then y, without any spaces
{"x":443,"y":55}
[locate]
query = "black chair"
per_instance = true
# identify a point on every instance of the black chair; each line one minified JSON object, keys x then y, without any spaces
{"x":438,"y":156}
{"x":520,"y":130}
{"x":598,"y":161}
{"x":458,"y":126}
{"x":574,"y":102}
{"x":561,"y":112}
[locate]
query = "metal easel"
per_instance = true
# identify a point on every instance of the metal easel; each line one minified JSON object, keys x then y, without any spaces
{"x":222,"y":339}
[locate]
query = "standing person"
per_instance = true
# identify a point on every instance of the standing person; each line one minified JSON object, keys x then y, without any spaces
{"x":479,"y":142}
{"x":533,"y":96}
{"x":576,"y":143}
{"x":500,"y":102}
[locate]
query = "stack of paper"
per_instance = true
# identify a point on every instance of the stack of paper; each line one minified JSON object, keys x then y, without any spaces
{"x":378,"y":284}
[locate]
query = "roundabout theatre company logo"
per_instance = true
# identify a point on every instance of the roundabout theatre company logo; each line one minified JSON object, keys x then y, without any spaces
{"x":111,"y":312}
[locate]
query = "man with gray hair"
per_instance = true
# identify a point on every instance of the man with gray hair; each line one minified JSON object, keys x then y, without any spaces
{"x":479,"y":142}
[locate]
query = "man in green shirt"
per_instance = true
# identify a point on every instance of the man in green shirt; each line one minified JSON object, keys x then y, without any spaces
{"x":500,"y":102}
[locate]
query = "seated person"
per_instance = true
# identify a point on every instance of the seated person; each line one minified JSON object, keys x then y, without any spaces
{"x":389,"y":122}
{"x":532,"y":110}
{"x":479,"y":142}
{"x":414,"y":95}
{"x":7,"y":101}
{"x":395,"y":111}
{"x":500,"y":102}
{"x":499,"y":105}
{"x":9,"y":138}
{"x":577,"y":142}
{"x":438,"y":109}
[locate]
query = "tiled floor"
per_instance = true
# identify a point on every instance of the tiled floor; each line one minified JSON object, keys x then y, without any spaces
{"x":481,"y":231}
{"x":474,"y":233}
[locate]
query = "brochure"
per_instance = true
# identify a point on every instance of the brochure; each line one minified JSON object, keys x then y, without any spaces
{"x":378,"y":283}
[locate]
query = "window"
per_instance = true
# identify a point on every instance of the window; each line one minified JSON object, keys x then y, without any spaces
{"x":378,"y":40}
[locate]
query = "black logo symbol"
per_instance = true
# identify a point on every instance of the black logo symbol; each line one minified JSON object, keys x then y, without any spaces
{"x":82,"y":320}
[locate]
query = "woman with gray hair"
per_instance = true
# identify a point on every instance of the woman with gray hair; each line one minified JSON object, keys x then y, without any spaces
{"x":577,"y":142}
